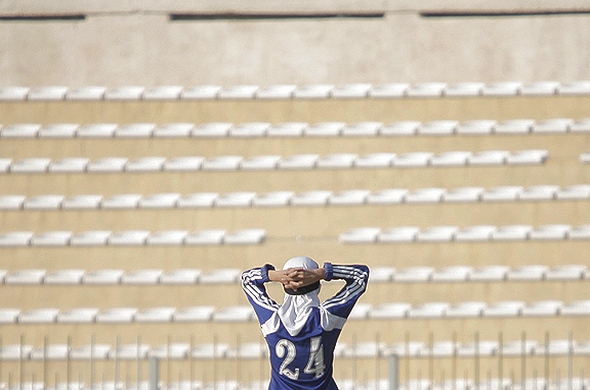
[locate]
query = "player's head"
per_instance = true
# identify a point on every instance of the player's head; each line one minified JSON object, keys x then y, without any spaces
{"x":305,"y":263}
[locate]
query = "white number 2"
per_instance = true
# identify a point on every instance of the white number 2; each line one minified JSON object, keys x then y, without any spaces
{"x":315,"y":364}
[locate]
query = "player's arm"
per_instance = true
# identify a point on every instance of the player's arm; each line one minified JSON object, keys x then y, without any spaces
{"x":253,"y":285}
{"x":356,"y":278}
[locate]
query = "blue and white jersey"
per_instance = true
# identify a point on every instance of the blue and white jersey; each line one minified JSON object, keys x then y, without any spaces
{"x":305,"y":361}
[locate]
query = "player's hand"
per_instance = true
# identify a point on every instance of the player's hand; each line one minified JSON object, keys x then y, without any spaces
{"x":300,"y":277}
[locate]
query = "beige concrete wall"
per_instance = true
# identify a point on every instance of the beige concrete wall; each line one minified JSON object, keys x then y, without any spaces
{"x":135,"y":43}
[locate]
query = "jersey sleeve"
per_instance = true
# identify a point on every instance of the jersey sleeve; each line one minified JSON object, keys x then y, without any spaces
{"x":356,"y":278}
{"x":253,"y":285}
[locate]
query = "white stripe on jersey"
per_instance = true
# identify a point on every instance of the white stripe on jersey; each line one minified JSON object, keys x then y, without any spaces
{"x":255,"y":293}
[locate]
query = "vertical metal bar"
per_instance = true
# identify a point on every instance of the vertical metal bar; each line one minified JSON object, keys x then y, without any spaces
{"x":354,"y":359}
{"x":431,"y":358}
{"x":570,"y":361}
{"x":500,"y":359}
{"x":169,"y":340}
{"x":454,"y":363}
{"x":393,"y":372}
{"x":378,"y":367}
{"x":191,"y":372}
{"x":154,"y":373}
{"x":476,"y":368}
{"x":22,"y":363}
{"x":214,"y":361}
{"x":138,"y":360}
{"x":546,"y":360}
{"x":68,"y":362}
{"x":117,"y":348}
{"x":1,"y":348}
{"x":523,"y":359}
{"x":237,"y":361}
{"x":408,"y":357}
{"x":92,"y":342}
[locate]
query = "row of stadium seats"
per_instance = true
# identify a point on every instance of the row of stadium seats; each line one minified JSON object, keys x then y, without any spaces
{"x":395,"y":310}
{"x":361,"y":235}
{"x":134,"y":237}
{"x":272,"y":162}
{"x":191,"y":276}
{"x":255,"y":350}
{"x":296,"y":129}
{"x":364,"y":235}
{"x":317,"y":91}
{"x":291,"y":198}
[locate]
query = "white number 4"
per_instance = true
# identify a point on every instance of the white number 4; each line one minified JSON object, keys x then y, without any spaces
{"x":315,"y":364}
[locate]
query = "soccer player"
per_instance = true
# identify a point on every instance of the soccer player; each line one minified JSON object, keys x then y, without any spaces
{"x":302,"y":332}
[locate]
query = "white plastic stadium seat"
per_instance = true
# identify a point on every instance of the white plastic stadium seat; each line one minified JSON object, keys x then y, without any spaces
{"x":123,"y":201}
{"x":425,"y":195}
{"x":145,"y":164}
{"x":149,"y":276}
{"x":553,"y":126}
{"x":205,"y":237}
{"x":463,"y":194}
{"x":351,"y":91}
{"x":523,"y":157}
{"x":170,"y":351}
{"x":362,"y":129}
{"x":238,"y":92}
{"x":51,"y":352}
{"x":429,"y":310}
{"x":181,"y":276}
{"x":107,"y":165}
{"x":502,"y":88}
{"x":11,"y":202}
{"x":38,"y":316}
{"x":481,"y":348}
{"x":25,"y":276}
{"x":159,"y":201}
{"x":581,"y":232}
{"x":91,"y":238}
{"x":194,"y":314}
{"x":116,"y":315}
{"x":284,"y":91}
{"x":502,"y":194}
{"x":414,"y":274}
{"x":324,"y":129}
{"x":311,"y":198}
{"x":103,"y":276}
{"x":52,"y":238}
{"x":314,"y":91}
{"x":249,"y":129}
{"x":407,"y":349}
{"x":220,"y":276}
{"x":208,"y":351}
{"x":77,"y":316}
{"x":504,"y":309}
{"x":267,"y":162}
{"x":475,"y":233}
{"x":43,"y":202}
{"x":222,"y":163}
{"x":24,"y":130}
{"x":488,"y":157}
{"x":348,"y":197}
{"x":174,"y":130}
{"x":440,"y":127}
{"x":360,"y":311}
{"x":437,"y":234}
{"x":287,"y":129}
{"x":566,"y":272}
{"x":167,"y":237}
{"x":130,"y":352}
{"x":251,"y":350}
{"x":64,"y":276}
{"x":365,"y":349}
{"x":464,"y":89}
{"x":94,"y":352}
{"x":382,"y":274}
{"x":200,"y":92}
{"x":337,"y":161}
{"x":16,"y":238}
{"x":245,"y":237}
{"x":135,"y":130}
{"x":69,"y":165}
{"x":540,"y":88}
{"x":527,"y":273}
{"x":390,"y":310}
{"x":124,"y":93}
{"x":550,"y":232}
{"x":53,"y":92}
{"x":466,"y":309}
{"x":235,"y":199}
{"x":16,"y":352}
{"x":388,"y":196}
{"x":301,"y":161}
{"x":13,"y":93}
{"x":155,"y":314}
{"x":477,"y":127}
{"x":30,"y":165}
{"x":5,"y":164}
{"x":585,"y":157}
{"x":128,"y":238}
{"x":361,"y":235}
{"x":413,"y":160}
{"x":576,"y":308}
{"x":97,"y":130}
{"x":515,"y":126}
{"x":398,"y":234}
{"x":439,"y":349}
{"x":270,"y":199}
{"x":574,"y":192}
{"x":183,"y":164}
{"x":403,"y":128}
{"x":212,"y":130}
{"x":542,"y":308}
{"x":426,"y":90}
{"x":375,"y":160}
{"x":233,"y":314}
{"x":450,"y":159}
{"x":574,"y":88}
{"x":541,"y":192}
{"x":393,"y":90}
{"x":86,"y":93}
{"x":555,"y":347}
{"x":459,"y":273}
{"x":165,"y":92}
